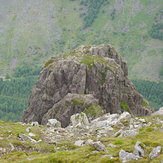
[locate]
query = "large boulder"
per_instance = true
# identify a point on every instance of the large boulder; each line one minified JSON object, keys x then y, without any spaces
{"x":96,"y":70}
{"x":72,"y":104}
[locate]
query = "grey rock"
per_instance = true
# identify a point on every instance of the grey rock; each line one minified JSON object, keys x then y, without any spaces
{"x":28,"y":129}
{"x":12,"y":147}
{"x":142,"y":120}
{"x":34,"y":124}
{"x":161,"y":129}
{"x":155,"y":128}
{"x":110,"y":156}
{"x":124,"y":116}
{"x":24,"y":137}
{"x":79,"y":120}
{"x":31,"y":134}
{"x":105,"y":79}
{"x":53,"y":123}
{"x":99,"y":146}
{"x":111,"y":145}
{"x":138,"y":150}
{"x":79,"y":143}
{"x":155,"y":152}
{"x":128,"y":133}
{"x":89,"y":142}
{"x":93,"y":152}
{"x":72,"y":104}
{"x":126,"y":156}
{"x":159,"y":112}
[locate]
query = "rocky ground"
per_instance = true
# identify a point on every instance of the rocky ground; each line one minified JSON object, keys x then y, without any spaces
{"x":109,"y":138}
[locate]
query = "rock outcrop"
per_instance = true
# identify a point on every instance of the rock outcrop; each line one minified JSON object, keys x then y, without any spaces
{"x":96,"y":71}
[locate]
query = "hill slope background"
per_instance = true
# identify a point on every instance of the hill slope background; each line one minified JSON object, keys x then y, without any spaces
{"x":32,"y":31}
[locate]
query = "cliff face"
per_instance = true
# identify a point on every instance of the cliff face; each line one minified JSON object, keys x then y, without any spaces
{"x":99,"y":71}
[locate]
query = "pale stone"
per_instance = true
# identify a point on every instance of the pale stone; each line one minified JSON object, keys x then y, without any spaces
{"x":24,"y":137}
{"x":99,"y":146}
{"x":79,"y":120}
{"x":155,"y":152}
{"x":53,"y":123}
{"x":124,"y":116}
{"x":31,"y":134}
{"x":138,"y":150}
{"x":79,"y":143}
{"x":34,"y":124}
{"x":128,"y":133}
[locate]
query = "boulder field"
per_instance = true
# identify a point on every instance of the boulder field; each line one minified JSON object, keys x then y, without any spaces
{"x":89,"y":79}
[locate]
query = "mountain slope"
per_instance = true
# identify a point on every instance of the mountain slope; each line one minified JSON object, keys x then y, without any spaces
{"x":32,"y":31}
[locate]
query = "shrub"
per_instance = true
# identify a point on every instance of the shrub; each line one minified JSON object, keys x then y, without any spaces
{"x":124,"y":105}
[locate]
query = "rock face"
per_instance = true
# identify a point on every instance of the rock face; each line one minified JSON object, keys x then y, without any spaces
{"x":94,"y":71}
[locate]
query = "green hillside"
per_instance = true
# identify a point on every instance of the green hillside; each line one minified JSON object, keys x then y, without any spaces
{"x":33,"y":31}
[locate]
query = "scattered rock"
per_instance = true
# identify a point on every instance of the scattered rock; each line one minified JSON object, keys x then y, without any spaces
{"x":53,"y":123}
{"x":155,"y":128}
{"x":159,"y":112}
{"x":28,"y":129}
{"x":128,"y":133}
{"x":99,"y":146}
{"x":89,"y":142}
{"x":155,"y":152}
{"x":93,"y":152}
{"x":138,"y":150}
{"x":34,"y":124}
{"x":12,"y":147}
{"x":79,"y":143}
{"x":161,"y":129}
{"x":79,"y":120}
{"x":24,"y":137}
{"x":142,"y":120}
{"x":31,"y":134}
{"x":1,"y":138}
{"x":124,"y":116}
{"x":111,"y":145}
{"x":110,"y":156}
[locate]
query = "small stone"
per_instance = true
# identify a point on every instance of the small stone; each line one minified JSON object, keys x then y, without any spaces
{"x":53,"y":123}
{"x":1,"y":138}
{"x":142,"y":120}
{"x":93,"y":152}
{"x":138,"y":150}
{"x":34,"y":124}
{"x":155,"y":152}
{"x":12,"y":147}
{"x":111,"y":145}
{"x":39,"y":141}
{"x":31,"y":134}
{"x":79,"y":143}
{"x":99,"y":146}
{"x":89,"y":141}
{"x":28,"y":129}
{"x":161,"y":129}
{"x":155,"y":128}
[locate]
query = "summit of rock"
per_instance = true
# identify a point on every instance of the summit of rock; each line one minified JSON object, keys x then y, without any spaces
{"x":97,"y":72}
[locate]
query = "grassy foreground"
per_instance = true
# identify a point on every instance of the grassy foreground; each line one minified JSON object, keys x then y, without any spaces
{"x":66,"y":151}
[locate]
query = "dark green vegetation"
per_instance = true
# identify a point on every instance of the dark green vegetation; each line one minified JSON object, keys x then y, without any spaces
{"x":93,"y":10}
{"x":124,"y":106}
{"x":14,"y":93}
{"x":157,"y":31}
{"x":152,"y":92}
